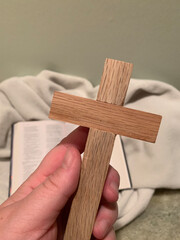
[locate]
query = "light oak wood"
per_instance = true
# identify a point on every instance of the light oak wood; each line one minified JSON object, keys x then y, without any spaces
{"x":93,"y":174}
{"x":95,"y":161}
{"x":114,"y":81}
{"x":101,"y":116}
{"x":105,"y":116}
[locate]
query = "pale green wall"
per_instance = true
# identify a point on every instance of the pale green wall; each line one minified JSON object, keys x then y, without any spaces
{"x":75,"y":37}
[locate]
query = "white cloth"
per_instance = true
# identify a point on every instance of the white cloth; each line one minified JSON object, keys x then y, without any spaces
{"x":151,"y":165}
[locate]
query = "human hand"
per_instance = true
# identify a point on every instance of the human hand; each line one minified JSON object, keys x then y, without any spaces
{"x":38,"y":210}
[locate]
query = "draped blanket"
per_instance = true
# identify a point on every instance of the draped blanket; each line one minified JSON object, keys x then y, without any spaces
{"x":150,"y":165}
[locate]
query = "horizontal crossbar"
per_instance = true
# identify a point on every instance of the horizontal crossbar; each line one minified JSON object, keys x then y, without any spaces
{"x":105,"y":116}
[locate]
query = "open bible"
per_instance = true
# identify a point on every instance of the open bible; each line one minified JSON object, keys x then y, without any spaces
{"x":32,"y":140}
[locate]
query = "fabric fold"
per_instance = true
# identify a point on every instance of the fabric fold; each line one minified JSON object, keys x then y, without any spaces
{"x":150,"y":165}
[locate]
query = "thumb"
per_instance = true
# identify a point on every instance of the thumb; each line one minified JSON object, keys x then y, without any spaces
{"x":45,"y":202}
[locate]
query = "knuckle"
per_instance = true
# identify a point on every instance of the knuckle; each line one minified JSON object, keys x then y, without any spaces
{"x":50,"y":184}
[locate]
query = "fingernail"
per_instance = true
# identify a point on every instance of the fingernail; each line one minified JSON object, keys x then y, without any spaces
{"x":68,"y":159}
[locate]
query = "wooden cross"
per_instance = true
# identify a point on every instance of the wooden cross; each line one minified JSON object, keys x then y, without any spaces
{"x":105,"y":117}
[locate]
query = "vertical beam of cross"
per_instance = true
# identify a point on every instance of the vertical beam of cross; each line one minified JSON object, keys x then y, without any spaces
{"x":113,"y":88}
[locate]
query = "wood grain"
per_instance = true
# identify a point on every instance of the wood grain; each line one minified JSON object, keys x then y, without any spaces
{"x":104,"y":116}
{"x":93,"y":174}
{"x":114,"y":81}
{"x":95,"y":161}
